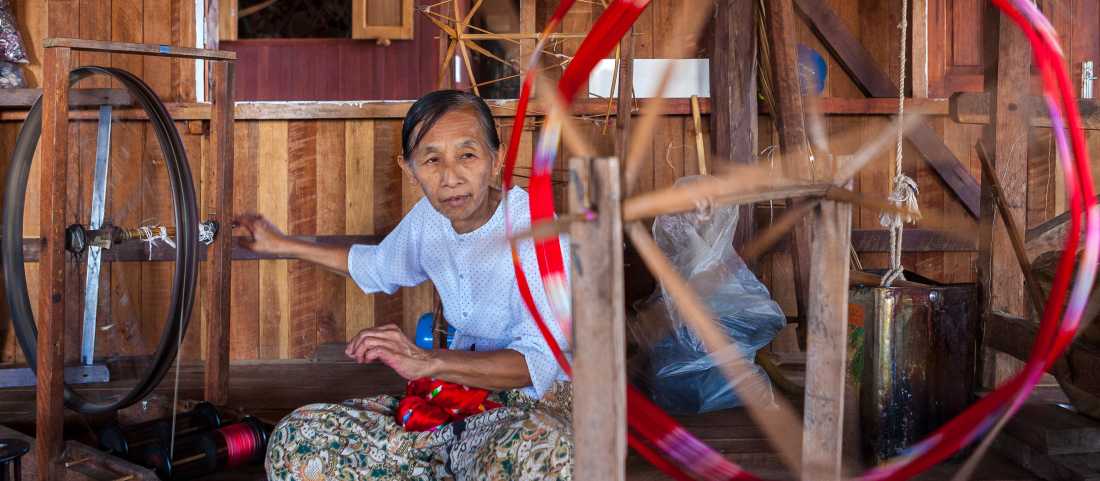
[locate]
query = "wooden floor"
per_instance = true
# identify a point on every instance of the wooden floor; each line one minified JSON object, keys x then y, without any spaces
{"x":269,"y":390}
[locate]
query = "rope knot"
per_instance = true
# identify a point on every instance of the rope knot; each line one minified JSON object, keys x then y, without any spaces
{"x":904,"y":194}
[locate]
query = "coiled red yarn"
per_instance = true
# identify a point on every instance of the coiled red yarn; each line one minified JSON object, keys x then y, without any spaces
{"x":430,"y":403}
{"x":241,"y":442}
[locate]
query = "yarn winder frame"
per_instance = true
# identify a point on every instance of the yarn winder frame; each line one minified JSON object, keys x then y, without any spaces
{"x":599,"y":409}
{"x":217,"y":205}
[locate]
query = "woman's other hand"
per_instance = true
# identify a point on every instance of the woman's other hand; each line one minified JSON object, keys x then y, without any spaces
{"x":263,"y":237}
{"x":388,"y":345}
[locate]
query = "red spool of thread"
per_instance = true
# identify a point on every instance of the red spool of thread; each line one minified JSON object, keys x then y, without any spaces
{"x":241,"y":443}
{"x":205,"y":453}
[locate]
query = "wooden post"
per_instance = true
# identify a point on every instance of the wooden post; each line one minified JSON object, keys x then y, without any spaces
{"x":220,"y":207}
{"x":626,"y":92}
{"x":733,"y":109}
{"x":527,"y":24}
{"x":1000,"y":277}
{"x":50,"y":364}
{"x":920,"y":49}
{"x":792,"y":133}
{"x":220,"y":22}
{"x":821,"y":269}
{"x":827,"y":341}
{"x":599,"y":333}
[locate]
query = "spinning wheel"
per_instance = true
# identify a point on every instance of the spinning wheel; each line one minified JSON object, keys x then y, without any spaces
{"x":88,"y":244}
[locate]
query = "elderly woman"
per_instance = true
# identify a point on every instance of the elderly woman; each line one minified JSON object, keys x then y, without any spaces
{"x":454,"y":237}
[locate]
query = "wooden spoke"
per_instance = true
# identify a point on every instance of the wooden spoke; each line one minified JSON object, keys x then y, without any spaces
{"x":884,"y":139}
{"x":738,"y":185}
{"x":549,"y":229}
{"x":559,"y":112}
{"x":789,"y":219}
{"x":778,"y":229}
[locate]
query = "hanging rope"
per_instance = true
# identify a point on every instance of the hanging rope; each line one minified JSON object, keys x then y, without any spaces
{"x":904,"y":188}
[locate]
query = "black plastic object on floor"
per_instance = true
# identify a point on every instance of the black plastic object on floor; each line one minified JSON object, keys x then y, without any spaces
{"x":202,"y":454}
{"x":129,"y":441}
{"x":11,"y":452}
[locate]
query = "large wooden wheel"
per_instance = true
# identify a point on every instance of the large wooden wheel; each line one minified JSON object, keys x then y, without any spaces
{"x":85,"y":242}
{"x":650,"y":432}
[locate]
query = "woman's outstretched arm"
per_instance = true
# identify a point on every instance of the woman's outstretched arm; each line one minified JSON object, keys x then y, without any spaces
{"x":264,"y":238}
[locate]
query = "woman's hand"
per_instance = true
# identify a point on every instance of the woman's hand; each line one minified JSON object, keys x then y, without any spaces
{"x":263,"y":237}
{"x":390,"y":346}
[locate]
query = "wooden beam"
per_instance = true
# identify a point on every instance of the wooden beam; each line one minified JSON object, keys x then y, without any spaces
{"x":915,"y":240}
{"x":975,"y":108}
{"x":781,"y":31}
{"x":1008,"y":58}
{"x":141,"y":252}
{"x":219,"y":207}
{"x":599,"y":350}
{"x":625,"y":96}
{"x":50,"y":363}
{"x":733,"y":120}
{"x":528,"y":27}
{"x":1014,"y":335}
{"x":686,"y":198}
{"x":919,"y":47}
{"x":14,"y":108}
{"x":1048,"y":236}
{"x":876,"y":106}
{"x":139,"y":49}
{"x":24,"y":98}
{"x":221,"y":21}
{"x":874,"y":82}
{"x":827,"y":341}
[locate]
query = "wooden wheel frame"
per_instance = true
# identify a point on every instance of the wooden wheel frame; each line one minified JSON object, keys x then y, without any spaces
{"x":185,"y":211}
{"x":819,"y":213}
{"x":217,"y":205}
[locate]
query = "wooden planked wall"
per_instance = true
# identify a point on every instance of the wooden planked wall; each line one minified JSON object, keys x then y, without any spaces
{"x":340,"y":176}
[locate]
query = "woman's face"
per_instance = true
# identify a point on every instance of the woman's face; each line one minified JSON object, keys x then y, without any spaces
{"x":454,"y":167}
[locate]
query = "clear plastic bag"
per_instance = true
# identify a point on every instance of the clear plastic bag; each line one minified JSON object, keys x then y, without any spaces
{"x":684,"y":378}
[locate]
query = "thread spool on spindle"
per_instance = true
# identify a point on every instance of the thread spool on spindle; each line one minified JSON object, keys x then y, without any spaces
{"x":204,"y":453}
{"x":130,"y":441}
{"x":11,"y":454}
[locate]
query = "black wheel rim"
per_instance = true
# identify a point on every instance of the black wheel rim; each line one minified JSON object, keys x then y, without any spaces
{"x":185,"y":210}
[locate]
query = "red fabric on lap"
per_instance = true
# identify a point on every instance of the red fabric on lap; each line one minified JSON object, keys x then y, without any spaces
{"x":430,"y":403}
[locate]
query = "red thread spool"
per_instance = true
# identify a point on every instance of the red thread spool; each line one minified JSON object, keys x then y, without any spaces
{"x":205,"y":453}
{"x":241,"y":442}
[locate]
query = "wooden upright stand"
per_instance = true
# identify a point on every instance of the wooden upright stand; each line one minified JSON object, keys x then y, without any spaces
{"x":781,"y":31}
{"x":50,"y":392}
{"x":1007,"y":135}
{"x":599,"y":382}
{"x":219,"y":200}
{"x":827,"y":341}
{"x":52,"y":289}
{"x":820,"y":253}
